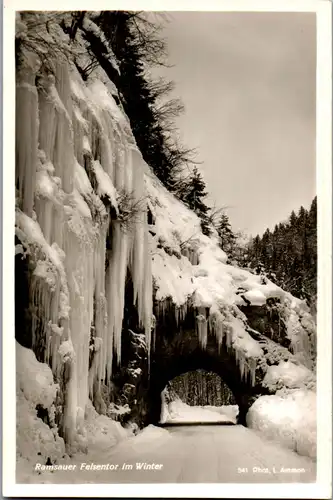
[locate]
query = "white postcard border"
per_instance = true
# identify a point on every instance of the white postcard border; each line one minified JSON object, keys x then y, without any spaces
{"x":320,"y":489}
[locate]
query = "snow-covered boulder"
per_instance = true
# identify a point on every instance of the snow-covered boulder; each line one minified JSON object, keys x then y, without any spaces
{"x":288,"y":417}
{"x":290,"y":375}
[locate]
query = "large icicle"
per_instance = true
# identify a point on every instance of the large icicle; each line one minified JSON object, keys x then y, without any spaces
{"x":137,"y":257}
{"x":147,"y":293}
{"x":202,"y":326}
{"x":216,"y":320}
{"x":56,"y":131}
{"x":26,"y":130}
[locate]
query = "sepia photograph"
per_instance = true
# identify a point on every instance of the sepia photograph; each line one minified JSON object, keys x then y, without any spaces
{"x":167,"y":291}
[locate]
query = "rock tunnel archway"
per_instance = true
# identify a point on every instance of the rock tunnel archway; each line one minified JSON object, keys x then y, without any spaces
{"x":242,"y":391}
{"x":198,"y":397}
{"x":178,"y":350}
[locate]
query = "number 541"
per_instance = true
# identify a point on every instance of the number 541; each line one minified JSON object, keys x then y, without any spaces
{"x":242,"y":470}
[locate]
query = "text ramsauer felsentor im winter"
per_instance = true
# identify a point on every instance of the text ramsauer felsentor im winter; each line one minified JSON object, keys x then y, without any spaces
{"x":100,"y":467}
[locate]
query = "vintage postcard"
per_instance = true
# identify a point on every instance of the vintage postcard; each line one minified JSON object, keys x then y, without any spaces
{"x":167,"y":249}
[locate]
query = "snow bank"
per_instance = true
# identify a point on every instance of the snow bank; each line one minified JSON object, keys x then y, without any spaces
{"x":36,"y":440}
{"x":144,"y":442}
{"x":287,"y":417}
{"x":100,"y":431}
{"x":34,"y":379}
{"x":230,"y":411}
{"x":178,"y":412}
{"x":151,"y":432}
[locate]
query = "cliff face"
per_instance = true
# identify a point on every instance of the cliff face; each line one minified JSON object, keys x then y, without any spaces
{"x":81,"y":223}
{"x":98,"y":287}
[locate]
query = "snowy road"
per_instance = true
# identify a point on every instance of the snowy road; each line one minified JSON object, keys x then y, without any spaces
{"x":189,"y":454}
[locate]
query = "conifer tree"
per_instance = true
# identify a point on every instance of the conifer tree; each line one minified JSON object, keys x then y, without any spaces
{"x":226,"y":235}
{"x":194,"y":196}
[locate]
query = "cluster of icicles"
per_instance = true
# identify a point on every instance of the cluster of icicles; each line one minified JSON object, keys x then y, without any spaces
{"x":221,"y":327}
{"x":73,"y":149}
{"x":191,"y":254}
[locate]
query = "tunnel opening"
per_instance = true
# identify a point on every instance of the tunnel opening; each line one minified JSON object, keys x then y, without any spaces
{"x":198,"y":397}
{"x":202,"y":388}
{"x":170,"y":362}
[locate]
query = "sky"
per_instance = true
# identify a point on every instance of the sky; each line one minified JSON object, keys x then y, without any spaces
{"x":248,"y":83}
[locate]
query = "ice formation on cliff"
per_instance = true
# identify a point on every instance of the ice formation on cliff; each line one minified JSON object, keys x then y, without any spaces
{"x":74,"y":148}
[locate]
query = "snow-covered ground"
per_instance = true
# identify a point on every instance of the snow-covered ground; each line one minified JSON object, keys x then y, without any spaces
{"x":287,"y":418}
{"x":179,"y":412}
{"x":184,"y":454}
{"x":102,"y":440}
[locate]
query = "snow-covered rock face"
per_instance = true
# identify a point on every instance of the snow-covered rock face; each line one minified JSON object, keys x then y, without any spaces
{"x":204,"y":304}
{"x":83,"y":193}
{"x":76,"y":160}
{"x":190,"y":271}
